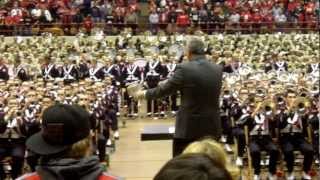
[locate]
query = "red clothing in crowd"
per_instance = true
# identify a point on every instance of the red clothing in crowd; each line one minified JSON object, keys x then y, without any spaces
{"x":26,"y":3}
{"x":310,"y":8}
{"x":266,"y":4}
{"x":256,"y":17}
{"x":120,"y":11}
{"x":268,"y":18}
{"x":199,"y":3}
{"x":246,"y":16}
{"x":183,"y":20}
{"x":231,"y":3}
{"x":88,"y":24}
{"x":293,"y":5}
{"x":120,"y":3}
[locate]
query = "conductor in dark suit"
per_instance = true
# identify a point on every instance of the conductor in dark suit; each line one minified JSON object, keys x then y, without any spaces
{"x":199,"y":82}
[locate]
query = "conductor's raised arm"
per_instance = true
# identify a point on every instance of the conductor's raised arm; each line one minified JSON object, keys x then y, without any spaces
{"x":167,"y":87}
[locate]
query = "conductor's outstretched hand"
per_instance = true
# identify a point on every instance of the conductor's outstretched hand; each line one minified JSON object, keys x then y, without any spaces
{"x":136,"y":90}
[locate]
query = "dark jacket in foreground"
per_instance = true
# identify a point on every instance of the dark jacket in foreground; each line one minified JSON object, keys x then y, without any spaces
{"x":64,"y":169}
{"x":199,"y":82}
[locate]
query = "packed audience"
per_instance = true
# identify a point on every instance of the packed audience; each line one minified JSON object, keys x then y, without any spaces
{"x":210,"y":15}
{"x":95,"y":71}
{"x":169,"y":15}
{"x":65,"y":13}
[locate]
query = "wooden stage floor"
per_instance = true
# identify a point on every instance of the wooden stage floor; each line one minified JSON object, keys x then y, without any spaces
{"x":137,"y":160}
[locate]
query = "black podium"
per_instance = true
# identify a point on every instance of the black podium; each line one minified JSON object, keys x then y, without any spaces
{"x":157,"y":132}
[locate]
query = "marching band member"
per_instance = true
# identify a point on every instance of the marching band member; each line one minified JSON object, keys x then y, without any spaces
{"x":12,"y":140}
{"x":280,"y":65}
{"x":120,"y":71}
{"x":314,"y":119}
{"x":70,"y":71}
{"x":111,"y":98}
{"x":260,"y":139}
{"x":96,"y":71}
{"x":268,"y":66}
{"x":242,"y":116}
{"x":168,"y":71}
{"x":225,"y":108}
{"x":20,"y":71}
{"x":152,"y":73}
{"x":31,"y":125}
{"x":313,"y":68}
{"x":84,"y":65}
{"x":4,"y":71}
{"x":102,"y":126}
{"x":292,"y":137}
{"x":109,"y":69}
{"x":133,"y":74}
{"x":49,"y":70}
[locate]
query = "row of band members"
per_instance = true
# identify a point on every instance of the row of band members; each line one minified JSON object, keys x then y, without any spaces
{"x":289,"y":126}
{"x":291,"y":123}
{"x":243,"y":113}
{"x":123,"y":70}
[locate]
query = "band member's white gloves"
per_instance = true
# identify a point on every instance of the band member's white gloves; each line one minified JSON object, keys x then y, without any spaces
{"x":136,"y":91}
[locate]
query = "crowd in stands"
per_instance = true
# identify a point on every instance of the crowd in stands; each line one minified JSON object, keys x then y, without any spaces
{"x":218,"y":13}
{"x":66,"y":12}
{"x":163,"y":14}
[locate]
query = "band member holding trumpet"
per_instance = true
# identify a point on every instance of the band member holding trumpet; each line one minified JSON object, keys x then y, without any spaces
{"x":4,"y":72}
{"x":292,"y":137}
{"x":12,"y":141}
{"x":260,"y":139}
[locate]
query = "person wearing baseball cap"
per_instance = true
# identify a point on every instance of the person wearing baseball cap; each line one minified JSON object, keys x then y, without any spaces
{"x":64,"y":144}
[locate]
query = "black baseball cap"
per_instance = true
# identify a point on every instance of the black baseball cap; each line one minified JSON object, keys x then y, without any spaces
{"x":62,"y":126}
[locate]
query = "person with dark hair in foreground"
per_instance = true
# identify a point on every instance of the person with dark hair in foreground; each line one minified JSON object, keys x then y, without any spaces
{"x":64,"y":145}
{"x":193,"y":167}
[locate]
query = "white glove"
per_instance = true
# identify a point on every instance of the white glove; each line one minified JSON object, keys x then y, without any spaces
{"x":140,"y":94}
{"x":136,"y":91}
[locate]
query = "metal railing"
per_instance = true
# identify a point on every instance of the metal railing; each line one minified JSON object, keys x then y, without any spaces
{"x":116,"y":28}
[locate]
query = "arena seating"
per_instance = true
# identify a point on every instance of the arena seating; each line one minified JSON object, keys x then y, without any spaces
{"x":214,"y":16}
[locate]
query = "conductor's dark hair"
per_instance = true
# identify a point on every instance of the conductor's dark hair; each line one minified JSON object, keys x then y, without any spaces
{"x":192,"y":167}
{"x":196,"y":46}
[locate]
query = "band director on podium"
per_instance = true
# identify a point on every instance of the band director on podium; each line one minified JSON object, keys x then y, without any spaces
{"x":199,"y":82}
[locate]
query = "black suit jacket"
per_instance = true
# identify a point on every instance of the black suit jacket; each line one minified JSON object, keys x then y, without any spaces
{"x":199,"y":82}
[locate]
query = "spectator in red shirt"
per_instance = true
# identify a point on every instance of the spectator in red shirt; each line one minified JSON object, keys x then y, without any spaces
{"x":16,"y":13}
{"x":268,"y":20}
{"x":88,"y":24}
{"x":256,"y":19}
{"x":246,"y":17}
{"x":310,"y":16}
{"x":183,"y":21}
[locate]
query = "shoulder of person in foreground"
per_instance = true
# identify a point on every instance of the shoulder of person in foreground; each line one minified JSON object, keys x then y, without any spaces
{"x":35,"y":176}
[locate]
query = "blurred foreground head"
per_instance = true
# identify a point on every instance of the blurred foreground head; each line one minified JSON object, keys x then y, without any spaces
{"x":216,"y":152}
{"x":192,"y":167}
